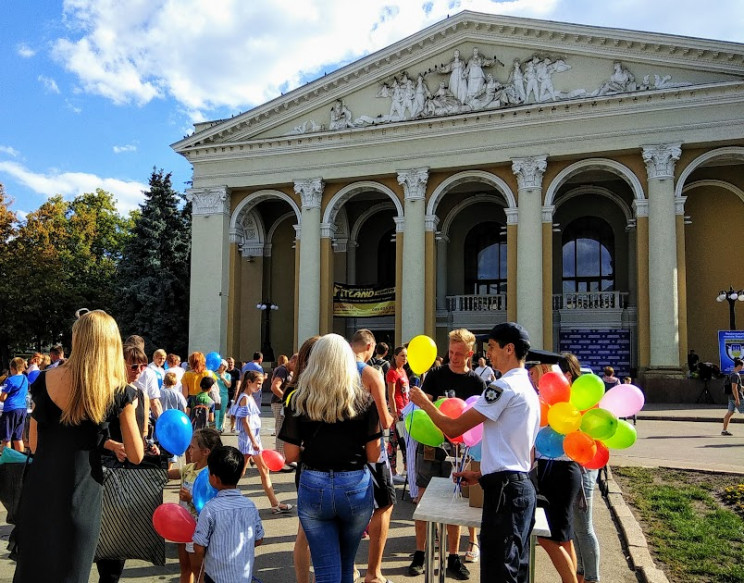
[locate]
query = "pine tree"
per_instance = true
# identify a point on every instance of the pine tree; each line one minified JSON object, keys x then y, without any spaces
{"x":154,"y":271}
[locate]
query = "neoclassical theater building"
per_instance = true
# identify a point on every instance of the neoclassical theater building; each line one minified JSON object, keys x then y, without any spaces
{"x":586,"y":182}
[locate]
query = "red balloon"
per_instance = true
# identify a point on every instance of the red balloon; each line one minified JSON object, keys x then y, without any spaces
{"x":452,"y":407}
{"x":458,"y":439}
{"x":544,"y":408}
{"x":274,"y":460}
{"x":174,"y":523}
{"x":600,"y":459}
{"x":554,"y":388}
{"x":579,"y":447}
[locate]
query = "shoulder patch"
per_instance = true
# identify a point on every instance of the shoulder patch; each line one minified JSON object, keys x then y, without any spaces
{"x":493,"y":393}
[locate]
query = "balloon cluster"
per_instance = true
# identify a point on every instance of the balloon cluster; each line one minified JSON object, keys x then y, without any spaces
{"x":582,"y":421}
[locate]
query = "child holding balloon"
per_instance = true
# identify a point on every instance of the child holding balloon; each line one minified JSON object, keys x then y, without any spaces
{"x":202,"y":443}
{"x":248,"y":420}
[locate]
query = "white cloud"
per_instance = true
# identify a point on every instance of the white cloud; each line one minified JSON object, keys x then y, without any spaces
{"x":124,"y":149}
{"x":25,"y":51}
{"x":128,"y":193}
{"x":10,"y":151}
{"x":49,"y":84}
{"x":235,"y":54}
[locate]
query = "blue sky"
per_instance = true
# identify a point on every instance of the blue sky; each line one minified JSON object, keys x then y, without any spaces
{"x":93,"y":92}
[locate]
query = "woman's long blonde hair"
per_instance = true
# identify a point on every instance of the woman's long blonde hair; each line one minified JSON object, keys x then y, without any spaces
{"x":330,"y":388}
{"x":96,"y":367}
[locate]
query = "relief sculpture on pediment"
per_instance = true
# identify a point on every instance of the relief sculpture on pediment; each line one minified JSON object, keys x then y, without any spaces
{"x":470,"y":85}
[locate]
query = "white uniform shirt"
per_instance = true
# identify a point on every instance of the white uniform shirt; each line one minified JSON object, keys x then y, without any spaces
{"x":512,"y":411}
{"x":486,"y":373}
{"x":148,"y":382}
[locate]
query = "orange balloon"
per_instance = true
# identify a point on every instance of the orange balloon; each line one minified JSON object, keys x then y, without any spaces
{"x":580,"y":447}
{"x":554,"y":388}
{"x":544,"y":408}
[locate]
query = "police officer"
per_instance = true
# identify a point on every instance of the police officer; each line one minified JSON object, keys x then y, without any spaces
{"x":510,"y":412}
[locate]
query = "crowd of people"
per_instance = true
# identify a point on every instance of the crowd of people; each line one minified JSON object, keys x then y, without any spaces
{"x":338,"y":407}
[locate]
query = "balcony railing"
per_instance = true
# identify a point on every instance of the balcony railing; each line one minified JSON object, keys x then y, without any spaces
{"x":591,"y":300}
{"x":474,"y":303}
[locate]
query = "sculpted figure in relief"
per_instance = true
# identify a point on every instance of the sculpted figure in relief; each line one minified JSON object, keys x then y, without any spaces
{"x":458,"y":84}
{"x":516,"y":80}
{"x":422,"y":94}
{"x":340,"y":116}
{"x":475,"y":76}
{"x":620,"y":81}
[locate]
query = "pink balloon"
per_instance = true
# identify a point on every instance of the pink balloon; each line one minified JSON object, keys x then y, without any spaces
{"x":623,"y":400}
{"x":473,"y":436}
{"x":274,"y":460}
{"x":472,"y":399}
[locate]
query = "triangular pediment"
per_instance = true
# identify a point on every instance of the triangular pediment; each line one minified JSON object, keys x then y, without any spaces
{"x":473,"y":63}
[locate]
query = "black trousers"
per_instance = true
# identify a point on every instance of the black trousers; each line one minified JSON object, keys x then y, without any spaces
{"x":109,"y":570}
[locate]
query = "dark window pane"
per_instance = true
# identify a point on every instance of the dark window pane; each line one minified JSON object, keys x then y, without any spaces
{"x":588,"y":250}
{"x":486,"y":259}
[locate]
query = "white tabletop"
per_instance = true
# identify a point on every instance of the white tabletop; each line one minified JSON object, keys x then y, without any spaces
{"x":439,"y":504}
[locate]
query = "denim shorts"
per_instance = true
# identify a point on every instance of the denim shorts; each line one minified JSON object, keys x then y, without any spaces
{"x":732,"y":405}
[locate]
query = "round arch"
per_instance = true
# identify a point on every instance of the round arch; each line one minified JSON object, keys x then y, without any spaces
{"x":347,"y":192}
{"x":246,"y":205}
{"x":595,"y":164}
{"x":470,"y":176}
{"x":736,"y":152}
{"x":717,"y":183}
{"x":373,"y":210}
{"x":596,"y":190}
{"x":458,"y":208}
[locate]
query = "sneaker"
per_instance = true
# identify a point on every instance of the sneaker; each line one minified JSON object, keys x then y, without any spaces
{"x":456,"y":569}
{"x":724,"y":432}
{"x":417,"y":565}
{"x":473,"y":553}
{"x":398,"y":479}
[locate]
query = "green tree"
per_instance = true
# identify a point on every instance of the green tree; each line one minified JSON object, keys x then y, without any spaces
{"x":9,"y":295}
{"x":154,"y":271}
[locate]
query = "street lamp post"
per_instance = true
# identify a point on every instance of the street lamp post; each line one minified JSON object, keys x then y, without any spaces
{"x":731,"y":296}
{"x":267,"y":307}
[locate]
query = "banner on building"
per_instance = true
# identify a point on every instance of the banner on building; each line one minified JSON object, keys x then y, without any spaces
{"x":730,"y":346}
{"x":362,"y":301}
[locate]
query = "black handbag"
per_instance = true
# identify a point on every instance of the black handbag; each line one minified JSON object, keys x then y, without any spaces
{"x":131,"y":493}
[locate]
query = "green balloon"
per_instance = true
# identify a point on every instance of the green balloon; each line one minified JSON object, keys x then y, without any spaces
{"x":599,"y":423}
{"x":624,"y":437}
{"x":586,"y":391}
{"x":420,"y":426}
{"x":438,"y":402}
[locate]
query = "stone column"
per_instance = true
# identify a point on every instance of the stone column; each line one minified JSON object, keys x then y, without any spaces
{"x":512,"y":219}
{"x":308,"y":317}
{"x":210,"y":268}
{"x":679,"y":208}
{"x":529,"y":173}
{"x":442,"y":241}
{"x":547,"y":275}
{"x":662,"y":259}
{"x":327,"y":231}
{"x":430,"y":288}
{"x":413,"y":320}
{"x":644,"y":341}
{"x":400,"y":226}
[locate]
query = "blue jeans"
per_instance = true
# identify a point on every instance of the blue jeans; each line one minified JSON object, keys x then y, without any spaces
{"x":585,"y":540}
{"x":334,"y":509}
{"x":508,"y":518}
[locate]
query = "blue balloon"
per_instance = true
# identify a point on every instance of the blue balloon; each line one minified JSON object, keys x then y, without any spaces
{"x":173,"y":430}
{"x":202,"y":491}
{"x":213,"y":360}
{"x":475,"y":451}
{"x":549,"y":442}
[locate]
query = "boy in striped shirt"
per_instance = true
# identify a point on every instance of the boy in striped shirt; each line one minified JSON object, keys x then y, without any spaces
{"x":229,"y":527}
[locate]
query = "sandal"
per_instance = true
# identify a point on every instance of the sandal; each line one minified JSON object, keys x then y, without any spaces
{"x":473,"y":553}
{"x":281,"y":508}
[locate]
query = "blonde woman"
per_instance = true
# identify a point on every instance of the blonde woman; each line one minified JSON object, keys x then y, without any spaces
{"x":58,"y":527}
{"x":332,"y":427}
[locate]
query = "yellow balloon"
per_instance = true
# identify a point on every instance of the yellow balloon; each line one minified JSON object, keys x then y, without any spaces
{"x":422,"y":351}
{"x":564,"y":418}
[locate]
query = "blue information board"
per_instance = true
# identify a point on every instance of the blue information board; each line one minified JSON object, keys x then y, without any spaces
{"x":597,"y":349}
{"x":730,"y":346}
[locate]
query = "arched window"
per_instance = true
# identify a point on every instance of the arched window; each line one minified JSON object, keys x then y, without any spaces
{"x":485,"y":259}
{"x":588,"y":256}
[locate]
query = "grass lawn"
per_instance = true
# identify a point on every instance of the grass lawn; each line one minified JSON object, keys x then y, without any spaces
{"x":693,"y":534}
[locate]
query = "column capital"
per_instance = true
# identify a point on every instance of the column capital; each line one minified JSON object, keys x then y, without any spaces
{"x":529,"y":171}
{"x":431,"y":222}
{"x":679,"y":205}
{"x":640,"y":207}
{"x":414,"y":183}
{"x":327,"y":230}
{"x":400,"y":224}
{"x":512,"y":216}
{"x":209,"y":200}
{"x":631,"y":225}
{"x":547,"y":214}
{"x":441,"y":238}
{"x":660,"y":159}
{"x":298,"y":231}
{"x":310,"y":191}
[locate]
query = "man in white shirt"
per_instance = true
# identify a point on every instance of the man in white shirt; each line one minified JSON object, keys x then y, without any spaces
{"x":484,"y":371}
{"x":510,"y":412}
{"x":148,"y":380}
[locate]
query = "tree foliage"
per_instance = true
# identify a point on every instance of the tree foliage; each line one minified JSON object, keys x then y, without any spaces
{"x":154,"y":271}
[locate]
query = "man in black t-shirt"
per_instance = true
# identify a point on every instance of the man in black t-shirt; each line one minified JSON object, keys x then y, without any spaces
{"x":734,"y":393}
{"x":455,"y":379}
{"x":234,"y":377}
{"x":279,"y":381}
{"x":379,"y":360}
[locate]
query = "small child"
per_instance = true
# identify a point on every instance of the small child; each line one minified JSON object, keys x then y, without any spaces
{"x":170,"y":395}
{"x":203,"y":442}
{"x":229,"y":527}
{"x":200,"y":406}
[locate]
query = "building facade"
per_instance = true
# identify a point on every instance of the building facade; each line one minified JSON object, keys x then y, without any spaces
{"x":586,"y":182}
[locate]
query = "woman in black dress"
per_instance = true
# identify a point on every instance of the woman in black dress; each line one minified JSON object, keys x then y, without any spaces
{"x":60,"y":509}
